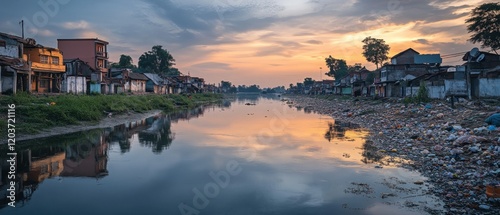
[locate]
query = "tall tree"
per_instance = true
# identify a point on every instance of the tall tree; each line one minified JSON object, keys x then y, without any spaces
{"x":158,"y":61}
{"x":125,"y":62}
{"x":484,"y":23}
{"x":174,"y":72}
{"x":338,"y":67}
{"x":375,"y":50}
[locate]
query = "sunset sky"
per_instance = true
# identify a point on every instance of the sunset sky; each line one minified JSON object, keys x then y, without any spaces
{"x":265,"y":42}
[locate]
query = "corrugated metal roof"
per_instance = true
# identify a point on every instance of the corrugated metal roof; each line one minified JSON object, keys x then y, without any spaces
{"x":137,"y":76}
{"x":157,"y":80}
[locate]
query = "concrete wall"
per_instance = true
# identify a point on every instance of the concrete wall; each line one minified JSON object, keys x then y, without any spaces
{"x":74,"y":84}
{"x":489,"y":87}
{"x":11,"y":50}
{"x":456,"y":87}
{"x":436,"y":92}
{"x":83,"y":49}
{"x":137,"y":86}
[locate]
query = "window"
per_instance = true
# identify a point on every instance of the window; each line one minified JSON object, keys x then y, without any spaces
{"x":44,"y":169}
{"x":44,"y":59}
{"x":55,"y":60}
{"x":2,"y":43}
{"x":44,"y":83}
{"x":54,"y":166}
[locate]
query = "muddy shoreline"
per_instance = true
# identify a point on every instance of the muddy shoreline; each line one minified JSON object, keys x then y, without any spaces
{"x":433,"y":137}
{"x":107,"y":122}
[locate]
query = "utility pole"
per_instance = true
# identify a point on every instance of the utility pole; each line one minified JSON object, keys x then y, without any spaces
{"x":22,"y":26}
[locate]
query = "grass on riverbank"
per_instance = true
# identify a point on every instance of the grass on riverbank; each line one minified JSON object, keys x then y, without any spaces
{"x":35,"y":112}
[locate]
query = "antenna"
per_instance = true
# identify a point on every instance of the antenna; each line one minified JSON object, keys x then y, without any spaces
{"x":474,"y":52}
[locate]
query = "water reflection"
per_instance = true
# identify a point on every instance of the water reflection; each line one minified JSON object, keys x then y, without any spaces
{"x":151,"y":166}
{"x":337,"y":130}
{"x":85,"y":154}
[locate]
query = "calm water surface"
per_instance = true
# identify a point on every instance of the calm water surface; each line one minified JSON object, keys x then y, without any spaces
{"x":231,"y":158}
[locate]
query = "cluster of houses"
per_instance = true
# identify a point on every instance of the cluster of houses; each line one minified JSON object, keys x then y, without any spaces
{"x":79,"y":66}
{"x":477,"y":77}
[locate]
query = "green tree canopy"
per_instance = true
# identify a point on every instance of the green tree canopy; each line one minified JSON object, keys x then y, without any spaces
{"x":484,"y":24}
{"x":125,"y":62}
{"x":375,"y":50}
{"x":158,"y":61}
{"x":338,"y":67}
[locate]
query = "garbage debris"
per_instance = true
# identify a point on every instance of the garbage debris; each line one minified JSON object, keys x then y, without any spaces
{"x":453,"y":148}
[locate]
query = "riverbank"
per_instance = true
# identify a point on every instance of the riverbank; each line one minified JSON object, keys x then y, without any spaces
{"x":451,"y":147}
{"x":47,"y":115}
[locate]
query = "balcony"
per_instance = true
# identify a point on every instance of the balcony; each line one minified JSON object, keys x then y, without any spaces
{"x":48,"y":67}
{"x":102,"y":54}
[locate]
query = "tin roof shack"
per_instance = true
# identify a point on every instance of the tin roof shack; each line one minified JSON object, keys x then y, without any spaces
{"x":406,"y":66}
{"x":136,"y":83}
{"x":343,"y":86}
{"x":156,"y":84}
{"x":14,"y":68}
{"x":489,"y":83}
{"x":449,"y":82}
{"x":360,"y":81}
{"x":198,"y":84}
{"x":118,"y":79}
{"x":405,"y":57}
{"x":80,"y":77}
{"x":481,"y":69}
{"x":47,"y":68}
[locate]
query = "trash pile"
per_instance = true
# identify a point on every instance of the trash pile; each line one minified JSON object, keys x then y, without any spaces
{"x":457,"y":149}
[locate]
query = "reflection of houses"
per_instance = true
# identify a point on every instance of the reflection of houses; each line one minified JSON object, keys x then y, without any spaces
{"x":337,"y":130}
{"x":158,"y":136}
{"x":86,"y":160}
{"x":14,"y":69}
{"x":33,"y":167}
{"x":48,"y":167}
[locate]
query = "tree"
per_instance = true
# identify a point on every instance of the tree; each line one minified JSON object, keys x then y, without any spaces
{"x":225,"y":84}
{"x":125,"y":62}
{"x":158,"y":61}
{"x":174,"y":72}
{"x":484,"y":23}
{"x":375,"y":50}
{"x":308,"y":82}
{"x":338,"y":67}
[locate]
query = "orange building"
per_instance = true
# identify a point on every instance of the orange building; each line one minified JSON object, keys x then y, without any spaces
{"x":47,"y":68}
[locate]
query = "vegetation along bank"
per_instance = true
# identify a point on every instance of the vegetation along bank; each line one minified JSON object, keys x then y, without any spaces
{"x":37,"y":113}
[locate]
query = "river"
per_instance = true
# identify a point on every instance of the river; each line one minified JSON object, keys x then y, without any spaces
{"x":247,"y":155}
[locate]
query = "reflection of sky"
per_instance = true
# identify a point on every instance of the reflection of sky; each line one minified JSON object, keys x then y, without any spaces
{"x":295,"y":170}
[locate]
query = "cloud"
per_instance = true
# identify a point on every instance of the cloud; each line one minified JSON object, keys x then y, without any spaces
{"x":75,"y":25}
{"x":212,"y":65}
{"x":314,"y":42}
{"x":422,"y":41}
